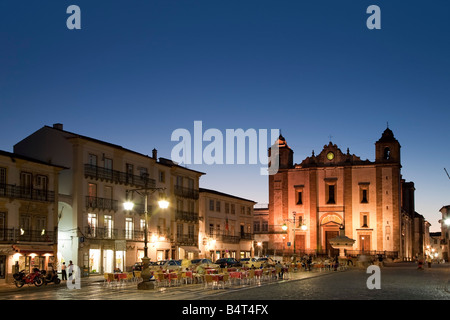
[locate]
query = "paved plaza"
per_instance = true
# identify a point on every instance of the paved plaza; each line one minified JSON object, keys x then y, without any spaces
{"x":400,"y":281}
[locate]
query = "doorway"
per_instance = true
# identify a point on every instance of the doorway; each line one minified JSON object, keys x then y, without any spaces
{"x":2,"y":267}
{"x":364,"y":243}
{"x":94,"y":260}
{"x":300,"y":246}
{"x":108,"y":261}
{"x":329,"y":249}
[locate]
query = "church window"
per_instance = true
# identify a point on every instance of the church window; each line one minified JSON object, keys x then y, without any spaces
{"x":364,"y":196}
{"x":299,"y":197}
{"x":387,"y":153}
{"x":331,"y":194}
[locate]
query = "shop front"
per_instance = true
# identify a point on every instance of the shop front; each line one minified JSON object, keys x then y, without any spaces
{"x":14,"y":258}
{"x":105,"y":260}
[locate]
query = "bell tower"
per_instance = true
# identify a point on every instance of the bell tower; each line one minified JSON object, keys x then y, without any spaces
{"x":387,"y":148}
{"x":286,"y":155}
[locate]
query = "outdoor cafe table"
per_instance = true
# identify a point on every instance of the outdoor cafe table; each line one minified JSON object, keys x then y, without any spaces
{"x":217,"y":277}
{"x":211,"y":271}
{"x":258,"y":272}
{"x":120,"y":276}
{"x":170,"y":276}
{"x":238,"y":275}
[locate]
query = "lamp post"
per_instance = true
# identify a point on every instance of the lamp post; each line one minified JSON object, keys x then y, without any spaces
{"x":128,"y":205}
{"x":303,"y":227}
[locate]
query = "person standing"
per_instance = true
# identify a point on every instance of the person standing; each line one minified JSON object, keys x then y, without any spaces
{"x":420,"y":263}
{"x":70,"y":268}
{"x":63,"y":271}
{"x":429,"y":260}
{"x":309,"y":262}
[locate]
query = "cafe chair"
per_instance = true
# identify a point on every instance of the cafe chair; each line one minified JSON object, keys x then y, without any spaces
{"x":209,"y":281}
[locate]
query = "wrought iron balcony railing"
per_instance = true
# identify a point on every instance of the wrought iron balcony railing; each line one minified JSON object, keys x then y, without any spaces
{"x":101,"y":203}
{"x":14,"y":235}
{"x":186,"y":192}
{"x":115,"y":176}
{"x":100,"y":233}
{"x":270,"y":229}
{"x":227,"y":238}
{"x":246,"y":236}
{"x":186,"y":240}
{"x":19,"y":192}
{"x":186,"y":216}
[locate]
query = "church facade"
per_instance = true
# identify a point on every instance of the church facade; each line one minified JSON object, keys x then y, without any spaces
{"x":310,"y":202}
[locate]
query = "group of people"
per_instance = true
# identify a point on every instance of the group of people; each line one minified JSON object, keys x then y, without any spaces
{"x":420,"y":261}
{"x":307,"y":261}
{"x":64,"y":272}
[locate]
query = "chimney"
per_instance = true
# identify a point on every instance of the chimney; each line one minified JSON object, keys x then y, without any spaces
{"x":58,"y":126}
{"x":154,"y":154}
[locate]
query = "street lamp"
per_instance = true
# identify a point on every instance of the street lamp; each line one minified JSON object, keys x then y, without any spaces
{"x":128,"y":205}
{"x":303,"y":227}
{"x":259,"y":244}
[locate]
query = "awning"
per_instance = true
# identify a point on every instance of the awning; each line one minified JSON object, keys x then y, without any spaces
{"x":30,"y":248}
{"x":190,"y":248}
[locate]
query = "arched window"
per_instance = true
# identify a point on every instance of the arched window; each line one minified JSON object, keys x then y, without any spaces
{"x":387,"y":153}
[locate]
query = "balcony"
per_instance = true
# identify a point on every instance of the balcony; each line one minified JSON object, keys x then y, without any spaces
{"x":115,"y":176}
{"x":124,"y":234}
{"x":14,"y":235}
{"x":186,"y":240}
{"x":246,"y":236}
{"x":101,"y":203}
{"x":226,"y":238}
{"x":101,"y":233}
{"x":186,"y":216}
{"x":186,"y":192}
{"x":18,"y":192}
{"x":271,"y":229}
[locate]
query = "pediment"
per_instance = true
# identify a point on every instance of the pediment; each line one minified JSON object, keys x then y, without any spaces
{"x":331,"y":155}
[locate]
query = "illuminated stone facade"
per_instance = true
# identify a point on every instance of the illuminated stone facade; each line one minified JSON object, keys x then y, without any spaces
{"x":333,"y":189}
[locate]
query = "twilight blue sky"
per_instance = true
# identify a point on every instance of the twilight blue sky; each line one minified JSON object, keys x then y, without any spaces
{"x":138,"y":70}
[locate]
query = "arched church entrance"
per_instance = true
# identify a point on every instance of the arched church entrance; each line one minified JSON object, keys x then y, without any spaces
{"x":329,"y":226}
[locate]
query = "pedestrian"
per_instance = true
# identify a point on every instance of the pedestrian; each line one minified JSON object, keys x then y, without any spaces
{"x":420,"y":263}
{"x":429,"y":260}
{"x":63,"y":271}
{"x":70,"y":268}
{"x":336,"y":263}
{"x":309,"y":262}
{"x":380,"y":260}
{"x":279,"y":268}
{"x":349,"y":261}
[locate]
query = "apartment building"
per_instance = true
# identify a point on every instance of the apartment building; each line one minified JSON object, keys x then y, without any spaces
{"x":28,"y":214}
{"x":226,"y":225}
{"x":95,"y":231}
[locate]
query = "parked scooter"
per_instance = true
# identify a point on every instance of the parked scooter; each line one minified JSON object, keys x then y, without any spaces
{"x":22,"y":278}
{"x":50,"y":276}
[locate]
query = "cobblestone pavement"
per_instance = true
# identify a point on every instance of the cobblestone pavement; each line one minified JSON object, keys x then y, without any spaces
{"x":94,"y":288}
{"x":400,"y":281}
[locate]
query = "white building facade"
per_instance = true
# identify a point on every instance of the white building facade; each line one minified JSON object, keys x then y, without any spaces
{"x":95,"y":231}
{"x":226,"y":226}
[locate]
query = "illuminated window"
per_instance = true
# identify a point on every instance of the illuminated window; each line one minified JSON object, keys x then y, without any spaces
{"x":128,"y":228}
{"x":92,"y":224}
